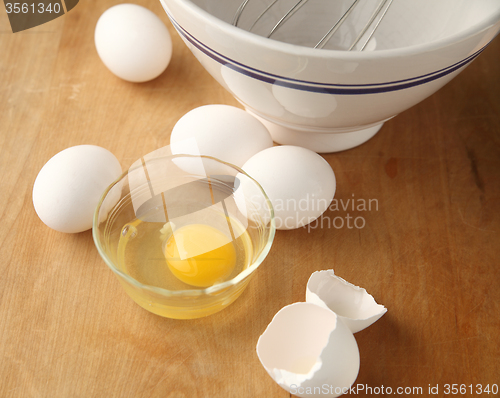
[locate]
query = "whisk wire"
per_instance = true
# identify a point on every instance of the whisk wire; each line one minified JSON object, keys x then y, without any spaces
{"x":287,"y":16}
{"x":369,"y":23}
{"x":262,"y":14}
{"x":374,"y":21}
{"x":335,"y":27}
{"x":239,"y":11}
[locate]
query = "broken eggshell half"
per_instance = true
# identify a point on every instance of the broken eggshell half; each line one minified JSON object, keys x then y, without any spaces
{"x":309,"y":351}
{"x":351,"y":303}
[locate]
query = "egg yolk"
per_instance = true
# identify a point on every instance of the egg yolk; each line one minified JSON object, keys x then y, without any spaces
{"x":200,"y":255}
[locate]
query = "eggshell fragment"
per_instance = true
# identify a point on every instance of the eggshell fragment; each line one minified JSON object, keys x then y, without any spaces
{"x":351,"y":303}
{"x":309,"y":351}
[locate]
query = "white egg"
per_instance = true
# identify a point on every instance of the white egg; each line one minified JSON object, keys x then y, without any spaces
{"x":133,"y":42}
{"x":309,"y":351}
{"x":221,"y":131}
{"x":354,"y":305}
{"x":299,"y":183}
{"x":69,"y":186}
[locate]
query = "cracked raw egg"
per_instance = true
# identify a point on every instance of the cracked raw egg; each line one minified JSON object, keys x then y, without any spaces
{"x":200,"y":255}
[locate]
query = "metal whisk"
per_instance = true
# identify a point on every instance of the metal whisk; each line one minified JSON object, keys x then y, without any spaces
{"x":367,"y":31}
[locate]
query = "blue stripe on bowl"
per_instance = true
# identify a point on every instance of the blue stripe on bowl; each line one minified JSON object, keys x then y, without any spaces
{"x":342,"y":89}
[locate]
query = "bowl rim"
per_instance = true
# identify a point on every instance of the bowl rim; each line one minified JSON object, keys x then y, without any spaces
{"x":186,"y":292}
{"x":294,"y":49}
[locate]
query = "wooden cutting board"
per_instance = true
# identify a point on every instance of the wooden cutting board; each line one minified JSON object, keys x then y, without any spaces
{"x":429,"y":250}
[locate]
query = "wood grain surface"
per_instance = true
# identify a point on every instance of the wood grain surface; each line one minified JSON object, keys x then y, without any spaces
{"x":429,"y":251}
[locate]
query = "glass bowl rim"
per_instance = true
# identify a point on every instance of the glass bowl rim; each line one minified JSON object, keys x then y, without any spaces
{"x":186,"y":292}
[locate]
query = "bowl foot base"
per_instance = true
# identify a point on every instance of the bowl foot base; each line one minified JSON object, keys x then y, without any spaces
{"x":318,"y":142}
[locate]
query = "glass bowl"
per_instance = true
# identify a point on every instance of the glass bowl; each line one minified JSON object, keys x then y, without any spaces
{"x":159,"y":199}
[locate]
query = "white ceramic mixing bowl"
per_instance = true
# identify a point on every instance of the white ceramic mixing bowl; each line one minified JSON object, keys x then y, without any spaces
{"x":330,"y":99}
